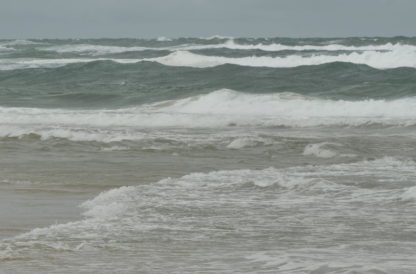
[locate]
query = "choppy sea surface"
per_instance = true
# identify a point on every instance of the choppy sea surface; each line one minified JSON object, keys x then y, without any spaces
{"x":208,"y":155}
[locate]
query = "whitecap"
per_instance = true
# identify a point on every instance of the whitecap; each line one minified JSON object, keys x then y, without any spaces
{"x":220,"y":108}
{"x":243,"y":142}
{"x":163,"y":39}
{"x":4,"y":49}
{"x":382,"y":60}
{"x":409,"y":195}
{"x":92,"y":49}
{"x":403,"y":56}
{"x":20,"y":42}
{"x":319,"y":150}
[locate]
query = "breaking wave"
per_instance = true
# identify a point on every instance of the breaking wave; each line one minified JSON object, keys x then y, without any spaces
{"x":405,"y":57}
{"x":25,"y":63}
{"x":222,"y":108}
{"x":229,"y":44}
{"x":379,"y":60}
{"x":288,"y":105}
{"x":320,"y":150}
{"x":3,"y":48}
{"x":227,"y":198}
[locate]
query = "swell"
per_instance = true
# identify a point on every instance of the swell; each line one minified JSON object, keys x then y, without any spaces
{"x":380,"y":60}
{"x":108,"y":84}
{"x":377,"y":56}
{"x":96,"y":49}
{"x":105,"y":46}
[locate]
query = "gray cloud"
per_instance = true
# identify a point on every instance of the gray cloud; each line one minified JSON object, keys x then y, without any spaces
{"x":173,"y":18}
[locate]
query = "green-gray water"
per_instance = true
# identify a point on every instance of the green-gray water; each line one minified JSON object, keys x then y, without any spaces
{"x":216,"y":155}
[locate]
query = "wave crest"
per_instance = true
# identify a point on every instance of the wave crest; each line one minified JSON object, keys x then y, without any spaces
{"x":379,"y":60}
{"x":383,"y":56}
{"x":221,"y":108}
{"x":228,"y":44}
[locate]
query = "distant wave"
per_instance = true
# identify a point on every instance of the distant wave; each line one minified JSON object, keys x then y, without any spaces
{"x":404,"y":57}
{"x":220,"y":37}
{"x":229,"y":44}
{"x":3,"y":48}
{"x":380,"y":60}
{"x":163,"y":39}
{"x":94,"y":49}
{"x":20,"y":42}
{"x":24,"y":63}
{"x":107,"y":84}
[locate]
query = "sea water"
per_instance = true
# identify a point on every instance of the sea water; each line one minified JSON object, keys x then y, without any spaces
{"x":208,"y":155}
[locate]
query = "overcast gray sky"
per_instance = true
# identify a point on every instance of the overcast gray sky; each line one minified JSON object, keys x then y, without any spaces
{"x":174,"y":18}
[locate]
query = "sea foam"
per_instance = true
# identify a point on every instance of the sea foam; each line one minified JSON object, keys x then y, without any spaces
{"x":130,"y":206}
{"x":229,"y":44}
{"x":221,"y":108}
{"x":379,"y":60}
{"x":409,"y":195}
{"x":92,"y":49}
{"x":245,"y":203}
{"x":181,"y":58}
{"x":3,"y":48}
{"x":319,"y":150}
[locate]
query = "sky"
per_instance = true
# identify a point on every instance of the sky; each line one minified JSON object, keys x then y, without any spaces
{"x":185,"y":18}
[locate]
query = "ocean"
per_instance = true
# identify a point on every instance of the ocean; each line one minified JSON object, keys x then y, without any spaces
{"x":208,"y":155}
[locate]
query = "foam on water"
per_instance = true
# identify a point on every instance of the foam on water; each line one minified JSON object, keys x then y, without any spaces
{"x":319,"y":150}
{"x":222,"y":108}
{"x":74,"y":133}
{"x":20,"y":42}
{"x":319,"y":209}
{"x":220,"y":37}
{"x":268,"y":202}
{"x":289,"y":109}
{"x":229,"y":44}
{"x":380,"y":60}
{"x":163,"y":39}
{"x":243,"y":142}
{"x":396,"y":56}
{"x":409,"y":195}
{"x":114,"y":148}
{"x":3,"y":48}
{"x":26,"y":63}
{"x":93,"y":49}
